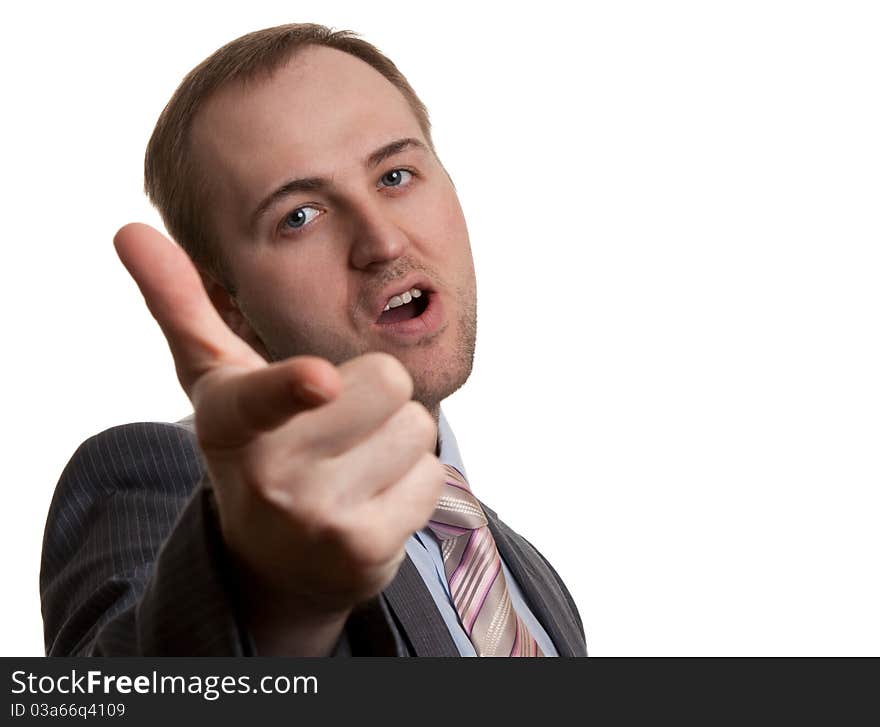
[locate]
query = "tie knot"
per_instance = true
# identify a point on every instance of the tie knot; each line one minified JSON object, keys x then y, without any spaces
{"x":457,"y":512}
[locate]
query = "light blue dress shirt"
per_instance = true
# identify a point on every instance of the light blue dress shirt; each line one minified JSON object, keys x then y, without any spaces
{"x":423,"y":549}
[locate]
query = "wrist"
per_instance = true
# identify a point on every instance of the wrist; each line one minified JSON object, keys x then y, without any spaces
{"x":287,"y":623}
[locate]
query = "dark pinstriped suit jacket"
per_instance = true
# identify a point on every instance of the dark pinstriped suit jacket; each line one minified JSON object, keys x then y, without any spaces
{"x":133,"y":564}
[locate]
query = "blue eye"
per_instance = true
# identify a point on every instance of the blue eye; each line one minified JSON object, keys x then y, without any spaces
{"x":396,"y":178}
{"x":300,"y":217}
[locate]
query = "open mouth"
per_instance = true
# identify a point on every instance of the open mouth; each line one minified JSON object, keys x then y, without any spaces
{"x":404,"y":310}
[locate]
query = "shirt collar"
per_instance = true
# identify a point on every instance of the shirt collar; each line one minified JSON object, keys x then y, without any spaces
{"x":449,"y":453}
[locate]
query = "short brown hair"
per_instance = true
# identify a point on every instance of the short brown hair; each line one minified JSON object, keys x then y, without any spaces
{"x":171,"y":180}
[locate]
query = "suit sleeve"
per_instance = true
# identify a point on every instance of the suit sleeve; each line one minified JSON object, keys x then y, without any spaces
{"x":133,"y":561}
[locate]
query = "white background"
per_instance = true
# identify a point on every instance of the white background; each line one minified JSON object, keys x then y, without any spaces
{"x":674,"y":213}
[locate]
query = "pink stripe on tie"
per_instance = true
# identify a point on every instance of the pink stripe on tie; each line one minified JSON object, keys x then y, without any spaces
{"x":478,"y":574}
{"x":470,"y":617}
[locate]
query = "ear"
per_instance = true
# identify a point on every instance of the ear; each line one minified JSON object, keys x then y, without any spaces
{"x":226,"y":305}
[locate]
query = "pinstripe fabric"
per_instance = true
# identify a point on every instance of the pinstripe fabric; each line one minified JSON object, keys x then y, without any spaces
{"x":108,"y":585}
{"x":133,"y":564}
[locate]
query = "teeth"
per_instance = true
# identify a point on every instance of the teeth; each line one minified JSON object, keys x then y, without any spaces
{"x":402,"y":299}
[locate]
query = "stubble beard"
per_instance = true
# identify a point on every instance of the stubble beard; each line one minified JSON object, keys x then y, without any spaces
{"x":441,"y":376}
{"x":439,"y":381}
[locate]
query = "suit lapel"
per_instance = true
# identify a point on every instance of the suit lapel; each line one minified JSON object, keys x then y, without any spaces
{"x":411,"y":625}
{"x":414,"y":609}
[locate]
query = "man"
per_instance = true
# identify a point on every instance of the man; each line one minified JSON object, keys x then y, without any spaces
{"x":317,"y":503}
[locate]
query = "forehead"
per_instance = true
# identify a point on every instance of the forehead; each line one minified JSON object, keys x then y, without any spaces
{"x":322,"y":110}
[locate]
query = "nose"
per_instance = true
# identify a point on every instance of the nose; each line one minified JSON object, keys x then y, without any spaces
{"x":377,"y":239}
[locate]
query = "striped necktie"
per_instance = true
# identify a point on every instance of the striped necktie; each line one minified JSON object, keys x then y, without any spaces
{"x":473,"y":571}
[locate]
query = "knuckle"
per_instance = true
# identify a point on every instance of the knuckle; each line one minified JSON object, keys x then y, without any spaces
{"x":354,"y":544}
{"x":389,"y":375}
{"x":322,"y":525}
{"x":419,"y":423}
{"x":316,"y":511}
{"x":427,"y":486}
{"x":370,"y":553}
{"x":435,"y":475}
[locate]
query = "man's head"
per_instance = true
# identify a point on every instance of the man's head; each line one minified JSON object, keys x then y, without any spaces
{"x":297,"y":169}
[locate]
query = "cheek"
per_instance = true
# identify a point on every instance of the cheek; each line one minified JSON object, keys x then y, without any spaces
{"x":444,"y":223}
{"x":279,"y":288}
{"x":458,"y":245}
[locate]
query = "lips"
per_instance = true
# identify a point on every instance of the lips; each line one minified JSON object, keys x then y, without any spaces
{"x":378,"y":303}
{"x":430,"y":320}
{"x":410,"y":306}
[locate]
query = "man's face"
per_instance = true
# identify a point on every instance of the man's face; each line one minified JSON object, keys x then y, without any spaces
{"x":326,"y":202}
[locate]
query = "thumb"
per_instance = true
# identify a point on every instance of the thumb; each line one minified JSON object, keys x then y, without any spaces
{"x":198,"y":338}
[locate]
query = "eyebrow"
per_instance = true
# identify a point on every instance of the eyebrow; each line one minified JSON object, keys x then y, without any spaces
{"x":318,"y":184}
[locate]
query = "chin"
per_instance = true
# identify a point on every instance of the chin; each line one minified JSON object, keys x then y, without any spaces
{"x":442,"y":373}
{"x":435,"y":383}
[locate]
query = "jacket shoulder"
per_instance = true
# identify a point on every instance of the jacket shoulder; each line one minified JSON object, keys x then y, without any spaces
{"x":115,"y":503}
{"x":152,"y":455}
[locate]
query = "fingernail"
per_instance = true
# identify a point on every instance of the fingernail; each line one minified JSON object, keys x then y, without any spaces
{"x":313,"y":394}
